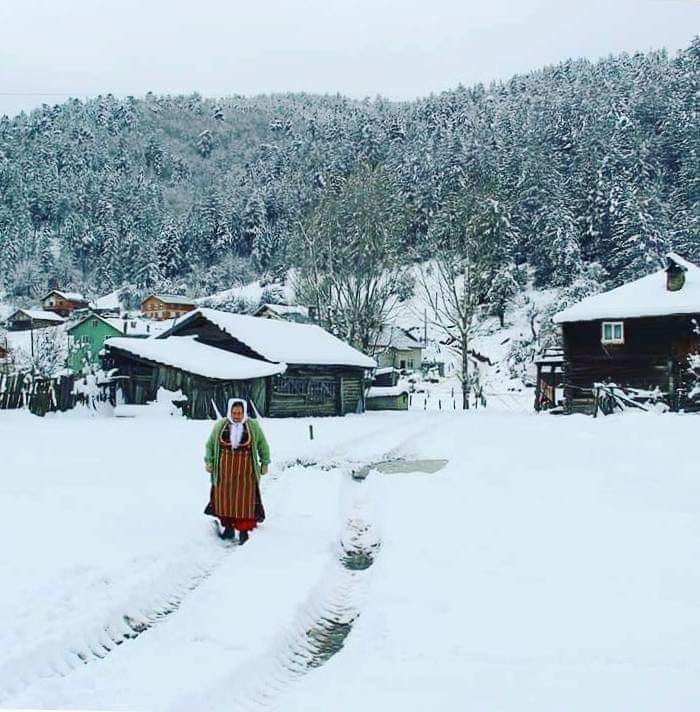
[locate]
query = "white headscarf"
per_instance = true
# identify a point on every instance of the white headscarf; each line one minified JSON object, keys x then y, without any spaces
{"x":236,"y":428}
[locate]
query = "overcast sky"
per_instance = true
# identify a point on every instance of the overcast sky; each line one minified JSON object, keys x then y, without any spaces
{"x":396,"y":48}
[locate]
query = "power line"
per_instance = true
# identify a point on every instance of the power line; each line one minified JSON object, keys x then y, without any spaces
{"x":37,"y":93}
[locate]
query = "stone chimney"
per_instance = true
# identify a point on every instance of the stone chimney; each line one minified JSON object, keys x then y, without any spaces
{"x":675,"y":275}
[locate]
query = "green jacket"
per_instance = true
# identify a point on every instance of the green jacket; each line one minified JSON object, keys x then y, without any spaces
{"x":259,"y":449}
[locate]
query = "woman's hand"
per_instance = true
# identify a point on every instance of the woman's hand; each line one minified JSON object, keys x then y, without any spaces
{"x":263,"y":470}
{"x":209,"y":468}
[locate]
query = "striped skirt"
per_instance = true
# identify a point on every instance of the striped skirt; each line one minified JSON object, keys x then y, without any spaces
{"x":234,"y":494}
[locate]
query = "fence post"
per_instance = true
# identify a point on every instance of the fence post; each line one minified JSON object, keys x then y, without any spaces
{"x":311,"y":432}
{"x":595,"y":402}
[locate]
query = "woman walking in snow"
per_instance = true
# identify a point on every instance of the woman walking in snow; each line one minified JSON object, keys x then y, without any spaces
{"x":236,"y":454}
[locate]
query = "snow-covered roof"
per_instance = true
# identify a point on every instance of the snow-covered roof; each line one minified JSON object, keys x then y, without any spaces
{"x":109,"y":301}
{"x":386,"y":369}
{"x":134,"y":327}
{"x":92,"y":315}
{"x":187,"y":354}
{"x":647,"y":296}
{"x":172,"y":299}
{"x":386,"y":391}
{"x":283,"y":309}
{"x":395,"y":337}
{"x":68,"y":296}
{"x":282,"y":341}
{"x":39,"y":314}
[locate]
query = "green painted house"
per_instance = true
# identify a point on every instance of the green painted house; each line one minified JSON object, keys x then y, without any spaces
{"x":86,"y":339}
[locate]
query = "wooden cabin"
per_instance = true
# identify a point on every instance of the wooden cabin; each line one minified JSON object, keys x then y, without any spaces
{"x":636,"y":336}
{"x":166,"y":306}
{"x":206,"y":375}
{"x":283,"y":368}
{"x":386,"y":376}
{"x":387,"y":398}
{"x":64,"y":303}
{"x":26,"y":319}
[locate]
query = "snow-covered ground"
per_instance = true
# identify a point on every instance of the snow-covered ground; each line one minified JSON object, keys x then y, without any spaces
{"x":552,"y":564}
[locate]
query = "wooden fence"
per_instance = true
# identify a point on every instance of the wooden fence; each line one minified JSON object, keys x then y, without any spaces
{"x":39,"y":395}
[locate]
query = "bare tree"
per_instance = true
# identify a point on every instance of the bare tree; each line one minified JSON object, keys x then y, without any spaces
{"x":352,"y":269}
{"x":450,"y":288}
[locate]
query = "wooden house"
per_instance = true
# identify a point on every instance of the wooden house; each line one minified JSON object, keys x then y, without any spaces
{"x":396,"y":347}
{"x":26,"y":319}
{"x":387,"y":398}
{"x":636,"y":336}
{"x":386,"y":376}
{"x":64,"y":303}
{"x":283,"y":368}
{"x":166,"y":306}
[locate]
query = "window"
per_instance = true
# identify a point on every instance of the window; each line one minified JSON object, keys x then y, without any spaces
{"x":612,"y":333}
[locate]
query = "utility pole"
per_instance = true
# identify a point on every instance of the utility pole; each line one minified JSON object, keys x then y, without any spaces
{"x":425,"y":328}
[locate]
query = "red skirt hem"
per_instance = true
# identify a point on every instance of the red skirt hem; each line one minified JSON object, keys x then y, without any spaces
{"x":243,"y":525}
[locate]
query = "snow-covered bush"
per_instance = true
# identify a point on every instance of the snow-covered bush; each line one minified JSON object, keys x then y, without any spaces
{"x":50,"y":352}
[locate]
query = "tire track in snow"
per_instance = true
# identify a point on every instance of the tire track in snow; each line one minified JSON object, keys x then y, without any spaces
{"x":320,"y":628}
{"x":61,"y":654}
{"x":326,"y":620}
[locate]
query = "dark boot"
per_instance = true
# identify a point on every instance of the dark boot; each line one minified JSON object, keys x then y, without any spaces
{"x":229,"y":533}
{"x":243,"y":537}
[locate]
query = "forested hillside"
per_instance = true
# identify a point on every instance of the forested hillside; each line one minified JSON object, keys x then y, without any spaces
{"x":574,"y":164}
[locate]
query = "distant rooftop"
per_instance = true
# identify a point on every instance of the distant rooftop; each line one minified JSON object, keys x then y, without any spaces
{"x":172,"y":299}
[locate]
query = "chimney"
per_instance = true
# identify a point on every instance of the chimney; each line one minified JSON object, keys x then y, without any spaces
{"x":675,"y":275}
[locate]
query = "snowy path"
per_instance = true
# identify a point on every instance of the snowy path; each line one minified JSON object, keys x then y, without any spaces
{"x":122,"y":586}
{"x":552,"y":564}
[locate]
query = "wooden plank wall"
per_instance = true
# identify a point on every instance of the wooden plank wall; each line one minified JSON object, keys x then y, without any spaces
{"x":347,"y":392}
{"x":654,"y":355}
{"x":140,"y":380}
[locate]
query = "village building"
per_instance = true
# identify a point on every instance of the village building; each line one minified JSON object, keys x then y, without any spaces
{"x":64,"y":303}
{"x":297,"y":313}
{"x":86,"y":338}
{"x":281,"y":368}
{"x":549,"y":384}
{"x":108,"y":305}
{"x":386,"y":376}
{"x":166,"y":306}
{"x":26,"y":319}
{"x":636,"y":336}
{"x":387,"y":398}
{"x":386,"y":391}
{"x":398,"y":348}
